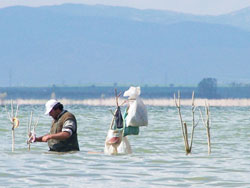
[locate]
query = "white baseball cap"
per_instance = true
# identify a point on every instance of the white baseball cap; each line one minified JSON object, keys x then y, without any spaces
{"x":49,"y":105}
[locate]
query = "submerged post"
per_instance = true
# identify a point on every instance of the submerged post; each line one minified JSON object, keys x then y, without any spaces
{"x":188,"y":148}
{"x":29,"y":129}
{"x":193,"y":121}
{"x":14,"y":122}
{"x":207,"y":125}
{"x":31,"y":133}
{"x":183,"y":124}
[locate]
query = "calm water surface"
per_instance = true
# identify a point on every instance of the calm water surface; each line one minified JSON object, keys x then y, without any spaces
{"x":158,"y":158}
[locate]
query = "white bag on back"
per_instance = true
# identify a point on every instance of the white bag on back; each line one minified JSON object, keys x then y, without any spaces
{"x":137,"y":112}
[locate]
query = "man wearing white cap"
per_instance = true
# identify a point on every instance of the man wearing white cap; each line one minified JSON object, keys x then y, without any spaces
{"x":63,"y":132}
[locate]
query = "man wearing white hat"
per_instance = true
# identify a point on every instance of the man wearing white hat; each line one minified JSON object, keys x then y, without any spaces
{"x":63,"y":132}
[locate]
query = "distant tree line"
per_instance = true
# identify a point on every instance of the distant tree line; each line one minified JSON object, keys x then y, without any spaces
{"x":206,"y":88}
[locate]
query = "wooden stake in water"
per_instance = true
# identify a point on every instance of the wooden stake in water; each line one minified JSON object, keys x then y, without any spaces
{"x":29,"y":129}
{"x":188,"y":148}
{"x":14,"y":122}
{"x":31,"y":133}
{"x":207,"y":125}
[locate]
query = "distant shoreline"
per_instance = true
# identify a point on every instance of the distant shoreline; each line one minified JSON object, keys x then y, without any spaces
{"x":149,"y":102}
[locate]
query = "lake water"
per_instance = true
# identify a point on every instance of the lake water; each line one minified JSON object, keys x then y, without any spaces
{"x":158,"y":158}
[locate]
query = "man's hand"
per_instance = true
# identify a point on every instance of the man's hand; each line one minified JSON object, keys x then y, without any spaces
{"x":59,"y":136}
{"x":46,"y":138}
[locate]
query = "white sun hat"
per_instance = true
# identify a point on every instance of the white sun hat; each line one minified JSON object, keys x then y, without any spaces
{"x":49,"y":105}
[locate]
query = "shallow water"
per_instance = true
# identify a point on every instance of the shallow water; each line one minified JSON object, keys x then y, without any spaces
{"x":158,"y":158}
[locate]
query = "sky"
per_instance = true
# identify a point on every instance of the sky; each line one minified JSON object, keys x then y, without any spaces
{"x":198,"y":7}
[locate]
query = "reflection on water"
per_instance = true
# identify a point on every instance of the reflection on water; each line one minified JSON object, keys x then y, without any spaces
{"x":158,"y":157}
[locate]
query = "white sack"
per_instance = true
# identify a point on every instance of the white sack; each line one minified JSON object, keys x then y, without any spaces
{"x":132,"y":92}
{"x":137,"y":112}
{"x":123,"y":148}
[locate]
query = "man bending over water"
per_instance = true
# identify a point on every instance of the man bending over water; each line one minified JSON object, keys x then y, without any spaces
{"x":63,"y":132}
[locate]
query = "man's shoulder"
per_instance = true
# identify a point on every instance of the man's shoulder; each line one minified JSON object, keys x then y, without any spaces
{"x":68,"y":115}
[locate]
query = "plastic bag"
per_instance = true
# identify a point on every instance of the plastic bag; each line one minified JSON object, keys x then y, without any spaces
{"x":137,"y":114}
{"x":118,"y":118}
{"x":114,"y":137}
{"x":124,"y":147}
{"x":129,"y":130}
{"x":137,"y":111}
{"x":32,"y":137}
{"x":116,"y":144}
{"x":132,"y":92}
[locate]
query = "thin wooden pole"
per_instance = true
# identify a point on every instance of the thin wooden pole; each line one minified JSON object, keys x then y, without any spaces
{"x":206,"y":123}
{"x":208,"y":128}
{"x":29,"y":129}
{"x":8,"y":113}
{"x":186,"y":138}
{"x":193,"y":121}
{"x":188,"y":147}
{"x":17,"y":106}
{"x":183,"y":125}
{"x":13,"y":138}
{"x":12,"y":109}
{"x":14,"y":122}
